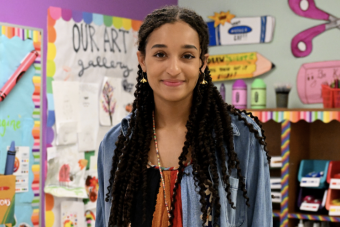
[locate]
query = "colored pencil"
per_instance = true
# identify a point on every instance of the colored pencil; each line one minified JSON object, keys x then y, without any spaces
{"x":238,"y":66}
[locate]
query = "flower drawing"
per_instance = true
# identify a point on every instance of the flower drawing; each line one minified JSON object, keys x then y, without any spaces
{"x":108,"y":103}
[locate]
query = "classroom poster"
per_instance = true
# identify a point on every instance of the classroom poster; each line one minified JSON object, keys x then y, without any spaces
{"x":91,"y":67}
{"x":312,"y":75}
{"x":21,"y":122}
{"x":238,"y":66}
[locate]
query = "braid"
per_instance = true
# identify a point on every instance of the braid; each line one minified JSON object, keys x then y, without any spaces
{"x":208,"y":113}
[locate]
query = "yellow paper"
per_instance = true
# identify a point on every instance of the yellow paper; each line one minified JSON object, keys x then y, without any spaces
{"x":232,"y":66}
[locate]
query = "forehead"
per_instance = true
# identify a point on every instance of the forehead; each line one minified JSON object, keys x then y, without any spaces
{"x":174,"y":34}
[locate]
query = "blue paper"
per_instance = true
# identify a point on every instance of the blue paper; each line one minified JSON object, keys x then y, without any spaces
{"x":16,"y":121}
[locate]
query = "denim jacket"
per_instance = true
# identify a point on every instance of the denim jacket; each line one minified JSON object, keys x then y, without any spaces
{"x":254,"y":168}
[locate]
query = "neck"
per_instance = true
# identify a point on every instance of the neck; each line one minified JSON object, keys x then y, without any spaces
{"x":170,"y":114}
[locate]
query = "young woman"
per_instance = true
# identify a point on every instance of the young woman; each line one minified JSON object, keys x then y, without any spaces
{"x":183,"y":157}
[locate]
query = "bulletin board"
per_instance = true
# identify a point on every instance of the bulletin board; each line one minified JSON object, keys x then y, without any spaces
{"x":91,"y":75}
{"x":23,"y":105}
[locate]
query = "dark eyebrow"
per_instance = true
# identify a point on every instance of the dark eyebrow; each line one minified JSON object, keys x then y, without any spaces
{"x":164,"y":46}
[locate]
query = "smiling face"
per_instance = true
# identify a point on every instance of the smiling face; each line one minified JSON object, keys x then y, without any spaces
{"x":172,"y":61}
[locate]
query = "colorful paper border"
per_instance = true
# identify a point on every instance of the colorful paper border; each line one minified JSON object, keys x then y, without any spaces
{"x":295,"y":116}
{"x":24,"y":34}
{"x":314,"y":217}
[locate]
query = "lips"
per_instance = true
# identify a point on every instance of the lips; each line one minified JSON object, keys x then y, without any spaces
{"x":172,"y":83}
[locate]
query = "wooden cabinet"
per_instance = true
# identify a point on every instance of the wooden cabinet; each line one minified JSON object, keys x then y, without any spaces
{"x":298,"y":134}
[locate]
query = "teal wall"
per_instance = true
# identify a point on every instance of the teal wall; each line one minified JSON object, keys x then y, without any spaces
{"x":326,"y":46}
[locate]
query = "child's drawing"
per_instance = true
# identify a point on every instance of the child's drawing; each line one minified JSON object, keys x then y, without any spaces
{"x":109,"y":102}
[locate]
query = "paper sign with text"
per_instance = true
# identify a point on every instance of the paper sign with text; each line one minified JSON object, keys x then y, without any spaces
{"x":309,"y":206}
{"x":310,"y":182}
{"x":334,"y":184}
{"x":238,"y":66}
{"x":334,"y":210}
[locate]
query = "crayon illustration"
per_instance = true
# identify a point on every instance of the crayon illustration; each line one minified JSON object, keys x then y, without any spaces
{"x":10,"y":159}
{"x":238,"y":66}
{"x":240,"y":30}
{"x":312,"y":75}
{"x":16,"y":76}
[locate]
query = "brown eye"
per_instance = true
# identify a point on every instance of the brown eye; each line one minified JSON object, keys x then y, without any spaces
{"x":159,"y":55}
{"x":188,"y":56}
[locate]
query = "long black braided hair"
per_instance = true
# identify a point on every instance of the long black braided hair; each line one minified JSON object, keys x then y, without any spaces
{"x":208,"y":112}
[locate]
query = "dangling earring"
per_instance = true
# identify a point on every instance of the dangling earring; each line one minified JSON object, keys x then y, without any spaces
{"x":204,"y":81}
{"x":143,"y":80}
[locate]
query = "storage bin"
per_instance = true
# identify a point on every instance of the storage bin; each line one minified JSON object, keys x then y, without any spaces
{"x":307,"y":166}
{"x":336,"y":97}
{"x":333,"y":168}
{"x":333,"y":208}
{"x":327,"y":96}
{"x":331,"y":195}
{"x":316,"y":193}
{"x":330,"y":96}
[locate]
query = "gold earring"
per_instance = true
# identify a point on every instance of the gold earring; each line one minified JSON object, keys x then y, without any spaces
{"x":204,"y":81}
{"x":143,"y":80}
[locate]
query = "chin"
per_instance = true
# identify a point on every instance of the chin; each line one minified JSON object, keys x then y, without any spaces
{"x":173,"y":97}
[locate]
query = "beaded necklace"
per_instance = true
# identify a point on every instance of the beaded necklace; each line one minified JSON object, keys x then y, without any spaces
{"x":160,"y":167}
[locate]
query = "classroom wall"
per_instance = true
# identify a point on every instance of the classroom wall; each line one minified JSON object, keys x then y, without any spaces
{"x":33,"y":13}
{"x":326,"y":46}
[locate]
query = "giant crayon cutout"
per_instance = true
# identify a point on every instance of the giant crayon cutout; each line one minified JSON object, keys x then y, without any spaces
{"x":13,"y":80}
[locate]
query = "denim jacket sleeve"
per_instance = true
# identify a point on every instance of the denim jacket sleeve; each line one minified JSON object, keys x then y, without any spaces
{"x":100,"y":210}
{"x":258,"y":183}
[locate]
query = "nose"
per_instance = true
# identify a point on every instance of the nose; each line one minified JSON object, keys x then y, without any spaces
{"x":173,"y":68}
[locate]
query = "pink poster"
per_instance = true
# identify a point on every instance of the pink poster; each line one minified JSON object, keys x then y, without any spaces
{"x":312,"y":75}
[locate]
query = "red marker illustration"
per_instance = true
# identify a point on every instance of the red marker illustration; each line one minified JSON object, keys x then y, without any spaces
{"x":13,"y":80}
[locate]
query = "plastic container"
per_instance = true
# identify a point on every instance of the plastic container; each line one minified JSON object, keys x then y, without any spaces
{"x":307,"y":166}
{"x":239,"y":94}
{"x":333,"y":168}
{"x":282,"y":99}
{"x":336,"y":97}
{"x":258,"y":94}
{"x":330,"y":97}
{"x":327,"y":96}
{"x":331,"y":195}
{"x":316,"y":193}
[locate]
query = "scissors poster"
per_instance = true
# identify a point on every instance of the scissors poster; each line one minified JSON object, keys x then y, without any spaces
{"x":302,"y":43}
{"x":91,"y":74}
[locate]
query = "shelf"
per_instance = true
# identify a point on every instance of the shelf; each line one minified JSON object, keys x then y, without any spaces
{"x":276,"y":213}
{"x":295,"y":109}
{"x":295,"y":115}
{"x":313,"y":217}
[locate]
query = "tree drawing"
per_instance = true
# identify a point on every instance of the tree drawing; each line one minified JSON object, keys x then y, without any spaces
{"x":108,"y":103}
